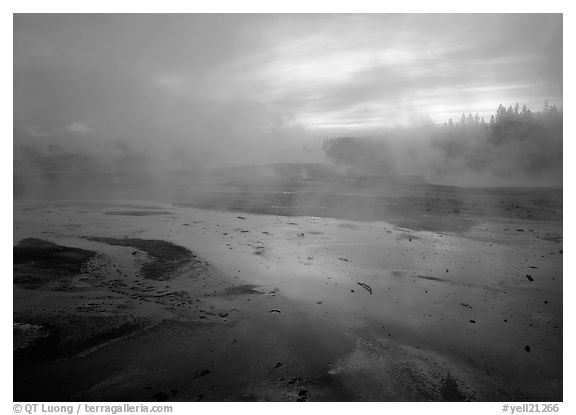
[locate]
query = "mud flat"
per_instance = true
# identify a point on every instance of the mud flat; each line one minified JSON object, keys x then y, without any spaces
{"x":204,"y":305}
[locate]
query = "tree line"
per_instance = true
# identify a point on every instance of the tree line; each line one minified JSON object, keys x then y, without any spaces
{"x":515,"y":146}
{"x":512,"y":114}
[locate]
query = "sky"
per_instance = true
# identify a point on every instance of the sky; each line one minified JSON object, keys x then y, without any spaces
{"x":262,"y":87}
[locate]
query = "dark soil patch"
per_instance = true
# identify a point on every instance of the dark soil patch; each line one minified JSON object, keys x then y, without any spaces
{"x":406,"y":236}
{"x":556,"y":239}
{"x":70,"y":335}
{"x":238,"y":290}
{"x":403,"y":274}
{"x":429,"y":278}
{"x":38,"y":262}
{"x":165,"y":257}
{"x":138,"y":212}
{"x":450,"y":392}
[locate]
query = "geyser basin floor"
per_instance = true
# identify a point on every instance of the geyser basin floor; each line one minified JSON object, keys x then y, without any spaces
{"x":270,"y":308}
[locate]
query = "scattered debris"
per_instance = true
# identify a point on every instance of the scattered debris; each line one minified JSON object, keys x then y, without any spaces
{"x":366,"y":287}
{"x":259,"y":250}
{"x":302,"y":396}
{"x":295,"y":380}
{"x":165,"y":257}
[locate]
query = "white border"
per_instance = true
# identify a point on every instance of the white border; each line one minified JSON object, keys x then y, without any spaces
{"x":291,"y":6}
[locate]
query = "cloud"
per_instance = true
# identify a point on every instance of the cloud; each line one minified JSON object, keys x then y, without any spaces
{"x":216,"y":85}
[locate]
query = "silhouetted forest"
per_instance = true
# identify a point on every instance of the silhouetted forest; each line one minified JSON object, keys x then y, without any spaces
{"x":516,"y":146}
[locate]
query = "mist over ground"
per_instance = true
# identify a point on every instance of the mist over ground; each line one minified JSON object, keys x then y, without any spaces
{"x":104,"y":98}
{"x":514,"y":148}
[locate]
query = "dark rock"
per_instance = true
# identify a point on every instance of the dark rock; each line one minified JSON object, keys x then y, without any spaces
{"x":366,"y":287}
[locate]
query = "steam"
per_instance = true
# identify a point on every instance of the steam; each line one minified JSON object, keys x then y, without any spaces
{"x":129,"y":100}
{"x":515,"y":148}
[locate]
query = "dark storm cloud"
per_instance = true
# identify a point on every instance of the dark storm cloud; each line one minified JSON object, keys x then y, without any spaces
{"x":211,"y":85}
